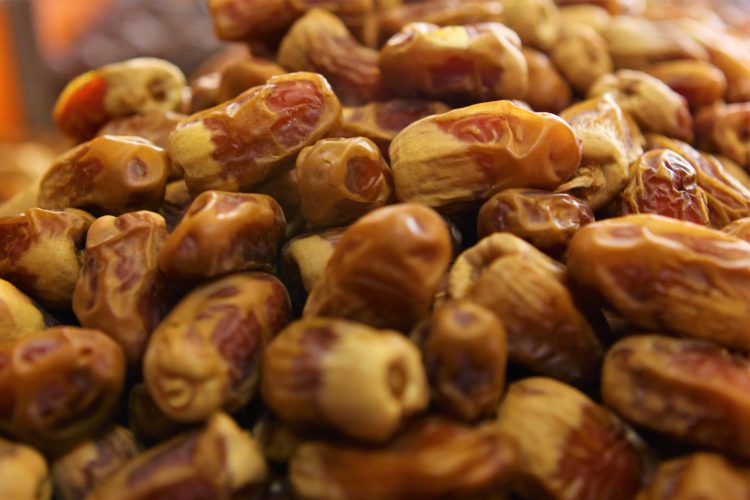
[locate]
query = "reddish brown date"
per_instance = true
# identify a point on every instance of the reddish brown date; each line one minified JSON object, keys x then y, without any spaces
{"x":238,"y":144}
{"x":223,"y":232}
{"x":59,"y":386}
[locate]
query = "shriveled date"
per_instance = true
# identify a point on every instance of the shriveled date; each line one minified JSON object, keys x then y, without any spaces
{"x":58,"y":386}
{"x":668,"y":275}
{"x":204,"y":356}
{"x":691,"y":390}
{"x":238,"y":144}
{"x":453,"y":160}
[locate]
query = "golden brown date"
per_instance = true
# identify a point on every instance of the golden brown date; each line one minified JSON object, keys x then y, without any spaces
{"x":304,"y":260}
{"x":176,"y":201}
{"x":569,"y":446}
{"x":343,"y":376}
{"x":612,"y":6}
{"x":592,"y":16}
{"x":464,"y":351}
{"x":120,"y":290}
{"x":59,"y":386}
{"x":581,"y":56}
{"x":18,"y":314}
{"x":547,"y":90}
{"x":472,"y":63}
{"x":527,"y":292}
{"x":668,"y":275}
{"x":223,"y":232}
{"x":381,"y":121}
{"x":147,"y":421}
{"x":385,"y":269}
{"x":116,"y":90}
{"x":691,"y":390}
{"x":433,"y":458}
{"x":284,"y":188}
{"x":611,"y":142}
{"x":739,"y":229}
{"x":699,"y":82}
{"x":40,"y":252}
{"x":217,"y":461}
{"x":239,"y":76}
{"x":537,"y":22}
{"x":23,"y":473}
{"x":665,"y":183}
{"x":77,"y":471}
{"x":154,"y":126}
{"x":546,"y":220}
{"x":456,"y":159}
{"x":204,"y":356}
{"x":238,"y":144}
{"x":707,"y":476}
{"x":654,"y":106}
{"x":108,"y":175}
{"x":339,"y":180}
{"x":321,"y":43}
{"x":730,"y":133}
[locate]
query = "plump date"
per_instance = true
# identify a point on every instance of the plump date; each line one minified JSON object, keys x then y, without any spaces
{"x":582,"y":57}
{"x":238,"y":144}
{"x":547,"y":89}
{"x":204,"y":356}
{"x":18,"y":314}
{"x":23,"y":473}
{"x":699,"y":82}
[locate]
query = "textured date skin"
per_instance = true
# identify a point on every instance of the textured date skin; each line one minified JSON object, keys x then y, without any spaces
{"x":385,"y":269}
{"x":116,"y":90}
{"x":464,"y":350}
{"x":731,"y":133}
{"x":547,"y":90}
{"x":582,"y":57}
{"x":238,"y":144}
{"x":339,"y":180}
{"x":456,"y":159}
{"x":668,"y":275}
{"x":321,"y":43}
{"x":569,"y":446}
{"x":665,"y":183}
{"x":217,"y":461}
{"x":433,"y":458}
{"x":699,"y":82}
{"x":528,"y":293}
{"x":18,"y":314}
{"x":59,"y":386}
{"x":480,"y":62}
{"x":691,"y":390}
{"x":108,"y":175}
{"x":77,"y":471}
{"x":120,"y":290}
{"x":546,"y":220}
{"x":611,"y":142}
{"x":154,"y":126}
{"x":223,"y":232}
{"x":204,"y":356}
{"x":40,"y":253}
{"x":739,"y":229}
{"x":343,"y":376}
{"x":23,"y":473}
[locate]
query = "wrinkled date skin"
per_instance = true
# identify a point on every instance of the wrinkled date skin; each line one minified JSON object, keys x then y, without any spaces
{"x":739,"y":229}
{"x":304,"y":260}
{"x":688,"y":389}
{"x":120,"y":290}
{"x":570,"y":447}
{"x":23,"y":473}
{"x":456,"y":159}
{"x":217,"y":461}
{"x":611,"y":142}
{"x":668,"y":275}
{"x":464,"y":350}
{"x":114,"y":91}
{"x":321,"y":43}
{"x":343,"y":376}
{"x":665,"y":183}
{"x":546,"y":220}
{"x":385,"y":269}
{"x":76,"y":472}
{"x":339,"y":180}
{"x":654,"y":106}
{"x":40,"y":253}
{"x":699,"y":82}
{"x":480,"y":62}
{"x":223,"y":232}
{"x":707,"y":476}
{"x":382,"y":121}
{"x":238,"y":144}
{"x":731,"y":133}
{"x":154,"y":126}
{"x":527,"y":292}
{"x":59,"y":385}
{"x":109,"y":175}
{"x":470,"y":460}
{"x":581,"y":56}
{"x":18,"y":314}
{"x":204,"y":356}
{"x":547,"y":90}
